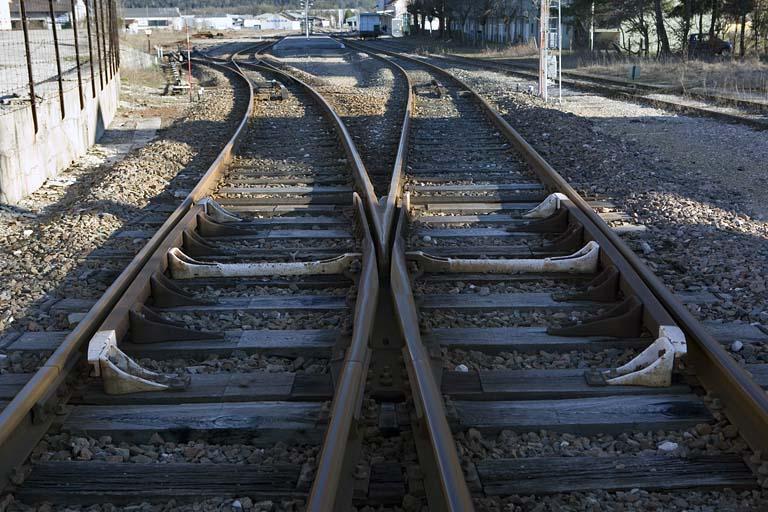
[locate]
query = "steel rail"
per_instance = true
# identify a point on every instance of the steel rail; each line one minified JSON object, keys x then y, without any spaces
{"x":746,"y":403}
{"x":454,"y":495}
{"x":335,"y":462}
{"x":382,"y":209}
{"x":628,"y":86}
{"x":41,"y":389}
{"x":388,"y":203}
{"x":633,"y":87}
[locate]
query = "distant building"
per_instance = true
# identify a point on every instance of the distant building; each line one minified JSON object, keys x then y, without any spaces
{"x":521,"y":26}
{"x":221,"y":22}
{"x":39,"y":14}
{"x":320,"y":21}
{"x":168,"y":18}
{"x":5,"y":15}
{"x":282,"y":21}
{"x":251,"y":22}
{"x":394,"y":15}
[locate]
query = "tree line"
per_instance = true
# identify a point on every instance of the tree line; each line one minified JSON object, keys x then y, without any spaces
{"x":672,"y":22}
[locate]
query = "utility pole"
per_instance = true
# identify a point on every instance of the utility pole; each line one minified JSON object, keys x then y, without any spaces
{"x":592,"y":27}
{"x":543,"y":45}
{"x":560,"y":51}
{"x":306,"y":17}
{"x":189,"y":60}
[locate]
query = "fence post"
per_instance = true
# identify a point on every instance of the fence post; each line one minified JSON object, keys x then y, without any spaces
{"x":58,"y":59}
{"x":90,"y":45}
{"x":77,"y":54}
{"x":112,"y":38}
{"x":98,"y":42}
{"x":106,"y":40}
{"x":117,"y":33}
{"x":107,"y":70}
{"x":31,"y":79}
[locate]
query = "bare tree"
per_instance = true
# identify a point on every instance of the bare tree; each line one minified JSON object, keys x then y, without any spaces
{"x":661,"y":31}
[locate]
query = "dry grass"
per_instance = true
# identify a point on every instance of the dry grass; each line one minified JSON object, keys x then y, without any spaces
{"x":743,"y":77}
{"x":158,"y":38}
{"x":746,"y":78}
{"x":426,"y":44}
{"x":148,"y":77}
{"x":510,"y":52}
{"x":173,"y":38}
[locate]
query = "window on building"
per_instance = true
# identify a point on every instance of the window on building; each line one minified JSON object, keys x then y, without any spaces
{"x":158,"y":23}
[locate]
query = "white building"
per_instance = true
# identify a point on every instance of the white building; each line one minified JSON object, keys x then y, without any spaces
{"x":5,"y":14}
{"x":39,"y":14}
{"x":222,"y":22}
{"x":152,"y":18}
{"x":272,"y":21}
{"x":395,"y":15}
{"x":251,"y":22}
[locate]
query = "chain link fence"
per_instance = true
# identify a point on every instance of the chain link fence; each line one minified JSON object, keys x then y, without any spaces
{"x":53,"y":46}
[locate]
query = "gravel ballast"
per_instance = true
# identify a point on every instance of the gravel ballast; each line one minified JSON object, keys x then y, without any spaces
{"x":46,"y":239}
{"x":707,"y":227}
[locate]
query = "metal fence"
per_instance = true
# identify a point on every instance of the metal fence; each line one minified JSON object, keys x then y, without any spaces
{"x":54,"y":46}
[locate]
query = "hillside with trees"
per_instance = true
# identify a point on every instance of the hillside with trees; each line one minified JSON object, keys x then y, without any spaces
{"x":245,"y":6}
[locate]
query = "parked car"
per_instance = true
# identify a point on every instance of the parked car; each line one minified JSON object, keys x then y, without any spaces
{"x":700,"y":45}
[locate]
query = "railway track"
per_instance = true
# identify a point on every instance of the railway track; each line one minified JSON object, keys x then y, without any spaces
{"x":280,"y":311}
{"x":464,"y":290}
{"x":303,"y":339}
{"x":731,"y":110}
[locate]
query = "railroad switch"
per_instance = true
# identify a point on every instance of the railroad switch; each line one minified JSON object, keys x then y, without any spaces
{"x":386,"y":374}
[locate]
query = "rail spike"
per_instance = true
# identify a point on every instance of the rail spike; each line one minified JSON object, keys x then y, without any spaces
{"x":651,"y":368}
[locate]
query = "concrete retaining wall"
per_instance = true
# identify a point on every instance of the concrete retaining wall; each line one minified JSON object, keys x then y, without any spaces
{"x":28,"y":159}
{"x":131,"y":58}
